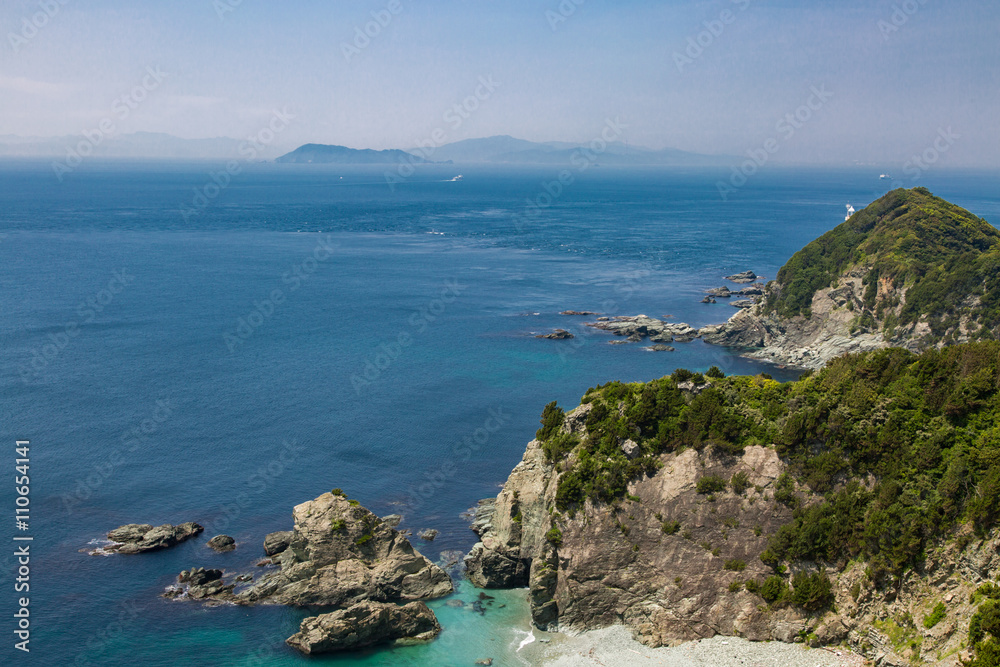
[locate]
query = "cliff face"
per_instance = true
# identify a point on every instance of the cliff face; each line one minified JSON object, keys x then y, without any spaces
{"x":910,"y":270}
{"x":629,"y":563}
{"x":857,"y":505}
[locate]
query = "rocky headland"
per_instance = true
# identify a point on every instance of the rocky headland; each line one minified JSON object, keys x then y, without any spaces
{"x":698,"y":505}
{"x":910,"y":270}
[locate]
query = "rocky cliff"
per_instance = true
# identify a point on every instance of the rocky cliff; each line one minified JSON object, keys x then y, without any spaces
{"x":857,"y":506}
{"x":910,"y":270}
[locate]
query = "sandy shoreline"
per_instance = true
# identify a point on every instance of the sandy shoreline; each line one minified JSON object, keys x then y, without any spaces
{"x":614,"y":647}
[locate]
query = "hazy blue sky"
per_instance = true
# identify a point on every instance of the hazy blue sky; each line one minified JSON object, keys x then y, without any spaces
{"x":890,"y":91}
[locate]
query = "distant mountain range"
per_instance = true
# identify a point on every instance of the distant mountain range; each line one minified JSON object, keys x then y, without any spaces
{"x":507,"y":149}
{"x":501,"y":149}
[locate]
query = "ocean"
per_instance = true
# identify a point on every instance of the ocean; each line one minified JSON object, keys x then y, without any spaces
{"x":177,"y":347}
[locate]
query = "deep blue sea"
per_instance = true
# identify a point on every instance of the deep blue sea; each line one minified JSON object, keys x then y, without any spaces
{"x":307,"y":327}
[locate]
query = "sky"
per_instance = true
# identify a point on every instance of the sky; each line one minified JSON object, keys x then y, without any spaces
{"x":872,"y":81}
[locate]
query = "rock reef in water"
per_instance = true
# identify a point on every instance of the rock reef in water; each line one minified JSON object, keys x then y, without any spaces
{"x":136,"y":538}
{"x":339,"y":554}
{"x":365,"y":624}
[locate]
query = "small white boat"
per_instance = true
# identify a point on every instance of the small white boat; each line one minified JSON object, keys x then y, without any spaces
{"x":457,"y":178}
{"x":884,"y":176}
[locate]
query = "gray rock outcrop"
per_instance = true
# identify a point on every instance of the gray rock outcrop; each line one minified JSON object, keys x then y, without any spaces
{"x":340,"y":554}
{"x":222,"y":543}
{"x":136,"y":538}
{"x":365,"y":624}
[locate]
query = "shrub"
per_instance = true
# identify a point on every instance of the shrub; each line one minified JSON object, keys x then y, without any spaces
{"x":784,"y":490}
{"x":773,"y":589}
{"x":554,"y":536}
{"x":337,"y":524}
{"x":698,"y":379}
{"x":740,"y":482}
{"x":339,"y":492}
{"x":736,"y":565}
{"x":711,"y":484}
{"x":813,"y":591}
{"x":559,"y":445}
{"x":670,"y":527}
{"x":363,"y":540}
{"x":936,"y":615}
{"x":736,"y":586}
{"x":752,"y":586}
{"x":682,"y":375}
{"x":552,"y":420}
{"x":715,"y":373}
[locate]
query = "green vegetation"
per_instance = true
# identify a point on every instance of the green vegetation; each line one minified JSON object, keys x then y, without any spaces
{"x":552,"y":420}
{"x":773,"y":589}
{"x":812,"y":592}
{"x":339,"y":492}
{"x":554,"y":536}
{"x":715,"y":373}
{"x":936,"y":615}
{"x":939,"y":251}
{"x":736,"y":565}
{"x":925,"y":427}
{"x":984,"y":627}
{"x":337,"y":524}
{"x":670,"y":527}
{"x":736,"y":586}
{"x":711,"y":484}
{"x":740,"y":483}
{"x":363,"y":539}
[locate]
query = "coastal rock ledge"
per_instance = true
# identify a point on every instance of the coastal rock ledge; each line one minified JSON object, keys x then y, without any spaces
{"x":365,"y":624}
{"x":137,"y":538}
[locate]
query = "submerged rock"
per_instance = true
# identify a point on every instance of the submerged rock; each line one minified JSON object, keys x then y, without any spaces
{"x":428,"y":535}
{"x":558,"y":334}
{"x":578,"y":312}
{"x":365,"y":624}
{"x":136,"y":538}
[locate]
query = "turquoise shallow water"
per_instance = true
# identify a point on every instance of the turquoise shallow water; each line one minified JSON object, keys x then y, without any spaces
{"x":255,"y":427}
